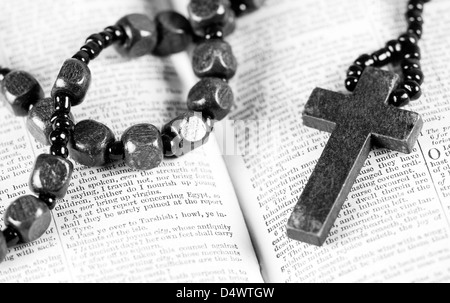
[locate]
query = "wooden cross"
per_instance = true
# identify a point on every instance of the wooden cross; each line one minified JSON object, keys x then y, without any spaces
{"x":356,"y":123}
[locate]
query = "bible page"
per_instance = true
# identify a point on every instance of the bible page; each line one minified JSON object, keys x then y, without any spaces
{"x":180,"y":222}
{"x":394,"y":225}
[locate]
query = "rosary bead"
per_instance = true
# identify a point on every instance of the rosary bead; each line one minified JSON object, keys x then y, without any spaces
{"x":74,"y":80}
{"x":355,"y":71}
{"x":408,"y":39}
{"x":365,"y":61}
{"x":412,"y":52}
{"x":413,"y":89}
{"x":20,"y":90}
{"x":59,"y":150}
{"x":4,"y":72}
{"x":108,"y":38}
{"x":29,"y":216}
{"x":82,"y":56}
{"x":351,"y":83}
{"x":414,"y":75}
{"x":212,"y":97}
{"x":414,"y":16}
{"x":97,"y":39}
{"x":185,"y":133}
{"x":11,"y":236}
{"x":415,"y":5}
{"x":211,"y":13}
{"x":92,"y":48}
{"x":117,"y":32}
{"x":214,"y":58}
{"x":116,"y":151}
{"x":174,"y":33}
{"x":3,"y":248}
{"x":49,"y":200}
{"x":382,"y":57}
{"x":395,"y":48}
{"x":62,"y":123}
{"x":90,"y":142}
{"x":399,"y":98}
{"x":51,"y":175}
{"x":141,"y":35}
{"x":143,"y":147}
{"x":416,"y":28}
{"x":62,"y":103}
{"x":59,"y":136}
{"x":241,"y":7}
{"x":408,"y":64}
{"x":39,"y":120}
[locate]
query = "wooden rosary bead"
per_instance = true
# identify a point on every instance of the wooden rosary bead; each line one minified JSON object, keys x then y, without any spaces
{"x":63,"y":103}
{"x":39,"y":122}
{"x":414,"y":75}
{"x":395,"y":48}
{"x":355,"y":71}
{"x":241,"y":7}
{"x":399,"y":98}
{"x":3,"y":247}
{"x":364,"y":61}
{"x":108,"y":38}
{"x":409,"y":64}
{"x":97,"y":39}
{"x":92,"y":49}
{"x":117,"y":33}
{"x":90,"y":142}
{"x":143,"y":147}
{"x":413,"y":89}
{"x":214,"y":58}
{"x":211,"y":96}
{"x":414,"y":16}
{"x":351,"y":83}
{"x":186,"y":133}
{"x":174,"y":33}
{"x":51,"y":175}
{"x":74,"y":80}
{"x":29,"y":216}
{"x":20,"y":90}
{"x":412,"y":52}
{"x":116,"y":151}
{"x":59,"y":150}
{"x":211,"y":13}
{"x":416,"y":28}
{"x":382,"y":57}
{"x":141,"y":35}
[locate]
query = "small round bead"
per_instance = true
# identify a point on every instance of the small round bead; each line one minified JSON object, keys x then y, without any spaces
{"x":355,"y":71}
{"x":365,"y":61}
{"x":399,"y":98}
{"x":408,"y":64}
{"x":413,"y":89}
{"x":48,"y":199}
{"x":82,"y":56}
{"x":412,"y":52}
{"x":92,"y":48}
{"x":29,"y":216}
{"x":382,"y":57}
{"x":117,"y":33}
{"x":416,"y":28}
{"x":11,"y":236}
{"x":116,"y":151}
{"x":351,"y":83}
{"x":415,"y":5}
{"x":246,"y":6}
{"x":97,"y":39}
{"x":59,"y":150}
{"x":408,"y":38}
{"x":108,"y":38}
{"x":414,"y":16}
{"x":59,"y":137}
{"x":414,"y":75}
{"x":63,"y":103}
{"x":395,"y":48}
{"x":59,"y":115}
{"x":63,"y":123}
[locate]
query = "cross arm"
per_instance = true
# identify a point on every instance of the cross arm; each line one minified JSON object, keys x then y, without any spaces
{"x":322,"y":109}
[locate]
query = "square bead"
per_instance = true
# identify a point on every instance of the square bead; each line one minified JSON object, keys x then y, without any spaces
{"x":51,"y":175}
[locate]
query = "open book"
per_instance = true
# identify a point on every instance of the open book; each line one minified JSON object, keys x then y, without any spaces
{"x":219,"y":213}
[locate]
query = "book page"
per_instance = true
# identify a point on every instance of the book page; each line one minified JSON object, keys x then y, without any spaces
{"x":179,"y":222}
{"x":394,"y":225}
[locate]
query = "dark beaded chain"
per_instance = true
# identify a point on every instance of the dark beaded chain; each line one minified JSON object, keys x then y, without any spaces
{"x":92,"y":143}
{"x":404,"y":50}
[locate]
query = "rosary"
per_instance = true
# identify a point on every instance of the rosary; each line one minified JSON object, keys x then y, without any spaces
{"x":142,"y":146}
{"x":357,"y":122}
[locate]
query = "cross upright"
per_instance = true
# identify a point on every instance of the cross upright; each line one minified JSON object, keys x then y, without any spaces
{"x":356,"y":123}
